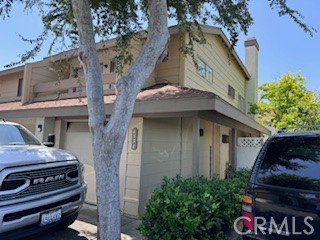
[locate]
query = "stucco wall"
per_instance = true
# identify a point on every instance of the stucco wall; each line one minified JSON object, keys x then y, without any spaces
{"x":205,"y":164}
{"x":224,"y":152}
{"x":160,"y":154}
{"x":186,"y":145}
{"x":29,"y":123}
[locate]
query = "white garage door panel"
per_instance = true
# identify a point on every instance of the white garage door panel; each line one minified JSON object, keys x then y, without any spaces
{"x":80,"y":144}
{"x":78,"y":141}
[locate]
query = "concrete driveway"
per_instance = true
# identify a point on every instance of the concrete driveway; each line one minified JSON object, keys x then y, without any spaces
{"x":85,"y":228}
{"x":77,"y":231}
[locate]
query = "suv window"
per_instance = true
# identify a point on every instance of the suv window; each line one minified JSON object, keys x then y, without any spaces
{"x":16,"y":135}
{"x":292,"y":162}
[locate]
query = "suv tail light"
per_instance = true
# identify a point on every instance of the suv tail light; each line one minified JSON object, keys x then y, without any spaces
{"x":247,"y":215}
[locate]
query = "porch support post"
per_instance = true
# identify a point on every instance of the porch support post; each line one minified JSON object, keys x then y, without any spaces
{"x":196,"y":145}
{"x":217,"y":150}
{"x":233,"y":148}
{"x":27,"y":91}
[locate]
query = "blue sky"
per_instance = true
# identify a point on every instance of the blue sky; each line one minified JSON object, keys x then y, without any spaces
{"x":284,"y":47}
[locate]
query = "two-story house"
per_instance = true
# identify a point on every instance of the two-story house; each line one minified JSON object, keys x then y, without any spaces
{"x":186,"y":119}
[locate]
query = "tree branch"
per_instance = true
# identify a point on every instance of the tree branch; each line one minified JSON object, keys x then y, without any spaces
{"x":129,"y":86}
{"x":90,"y":63}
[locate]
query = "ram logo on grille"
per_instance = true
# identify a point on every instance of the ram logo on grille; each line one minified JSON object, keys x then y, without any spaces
{"x":48,"y":179}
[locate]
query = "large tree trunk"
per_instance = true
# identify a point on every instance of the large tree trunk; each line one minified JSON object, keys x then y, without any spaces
{"x":108,"y":139}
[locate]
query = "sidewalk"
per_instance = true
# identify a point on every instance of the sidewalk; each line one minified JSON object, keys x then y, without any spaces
{"x":86,"y":225}
{"x":87,"y":222}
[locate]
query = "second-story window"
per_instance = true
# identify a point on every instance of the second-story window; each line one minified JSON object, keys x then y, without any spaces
{"x":241,"y":103}
{"x":231,"y":92}
{"x":205,"y":70}
{"x":112,"y":67}
{"x":20,"y":85}
{"x":79,"y":72}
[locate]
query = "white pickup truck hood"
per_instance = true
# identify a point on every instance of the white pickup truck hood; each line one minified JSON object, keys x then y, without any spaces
{"x":19,"y":155}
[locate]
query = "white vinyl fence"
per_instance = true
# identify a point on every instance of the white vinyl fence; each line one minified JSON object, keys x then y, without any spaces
{"x":247,"y":151}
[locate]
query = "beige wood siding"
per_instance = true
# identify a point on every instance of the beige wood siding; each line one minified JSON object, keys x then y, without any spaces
{"x":160,"y":154}
{"x":226,"y":70}
{"x":9,"y":87}
{"x":42,"y":72}
{"x":108,"y":54}
{"x":168,"y":71}
{"x":38,"y":72}
{"x":135,"y":50}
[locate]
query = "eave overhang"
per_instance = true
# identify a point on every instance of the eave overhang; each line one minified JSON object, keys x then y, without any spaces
{"x":164,"y":101}
{"x":11,"y":71}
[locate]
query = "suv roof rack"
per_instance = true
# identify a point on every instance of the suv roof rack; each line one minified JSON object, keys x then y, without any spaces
{"x":2,"y":120}
{"x":309,"y":127}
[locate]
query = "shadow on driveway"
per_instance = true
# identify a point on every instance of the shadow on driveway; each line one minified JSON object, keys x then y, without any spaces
{"x":85,"y":228}
{"x":77,"y":231}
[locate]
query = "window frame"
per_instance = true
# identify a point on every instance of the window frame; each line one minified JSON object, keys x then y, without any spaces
{"x":231,"y":92}
{"x":205,"y":71}
{"x":241,"y":103}
{"x":112,"y":68}
{"x":20,"y":87}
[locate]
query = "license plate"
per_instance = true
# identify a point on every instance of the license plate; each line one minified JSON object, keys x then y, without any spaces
{"x":50,"y":217}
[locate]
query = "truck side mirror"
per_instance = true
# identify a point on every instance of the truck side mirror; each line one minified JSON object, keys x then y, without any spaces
{"x":51,"y":140}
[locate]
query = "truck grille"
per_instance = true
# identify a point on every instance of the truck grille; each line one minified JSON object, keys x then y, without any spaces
{"x":38,"y":181}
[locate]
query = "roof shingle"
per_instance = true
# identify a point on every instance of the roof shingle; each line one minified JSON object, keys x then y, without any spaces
{"x":155,"y":92}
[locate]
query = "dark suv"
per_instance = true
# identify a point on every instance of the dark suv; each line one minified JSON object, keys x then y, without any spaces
{"x":282,"y":200}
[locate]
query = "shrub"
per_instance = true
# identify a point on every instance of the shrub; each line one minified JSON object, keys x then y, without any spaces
{"x":193,"y":208}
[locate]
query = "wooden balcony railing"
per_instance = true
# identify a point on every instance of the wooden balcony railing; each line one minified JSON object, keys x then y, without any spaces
{"x":69,"y":88}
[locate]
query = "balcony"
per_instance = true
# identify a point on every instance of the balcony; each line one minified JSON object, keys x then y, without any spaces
{"x":70,"y":88}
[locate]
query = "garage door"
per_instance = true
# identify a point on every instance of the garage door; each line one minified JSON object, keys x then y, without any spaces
{"x":78,"y":141}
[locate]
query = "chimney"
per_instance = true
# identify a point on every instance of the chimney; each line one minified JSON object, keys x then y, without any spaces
{"x":252,"y":52}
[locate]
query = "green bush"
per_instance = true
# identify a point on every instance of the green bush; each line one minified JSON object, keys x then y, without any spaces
{"x":193,"y":208}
